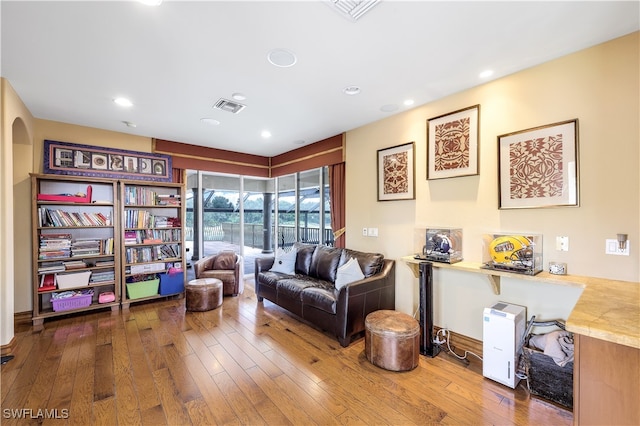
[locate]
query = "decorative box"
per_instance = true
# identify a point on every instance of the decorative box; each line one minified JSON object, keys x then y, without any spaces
{"x":518,"y":252}
{"x":441,"y":245}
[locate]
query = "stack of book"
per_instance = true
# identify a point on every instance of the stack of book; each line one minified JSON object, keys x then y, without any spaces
{"x":74,"y":264}
{"x":86,"y":247}
{"x":130,"y":237}
{"x":51,"y":267}
{"x":102,"y":276}
{"x":168,"y":200}
{"x":54,"y":246}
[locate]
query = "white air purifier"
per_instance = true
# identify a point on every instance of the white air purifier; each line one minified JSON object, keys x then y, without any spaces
{"x":503,"y":327}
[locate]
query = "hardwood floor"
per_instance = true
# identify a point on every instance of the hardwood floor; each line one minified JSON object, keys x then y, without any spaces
{"x":243,"y":363}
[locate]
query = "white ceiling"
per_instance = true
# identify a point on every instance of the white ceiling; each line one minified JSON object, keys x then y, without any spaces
{"x":68,"y":60}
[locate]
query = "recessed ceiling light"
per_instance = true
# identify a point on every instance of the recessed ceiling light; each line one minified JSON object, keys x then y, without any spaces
{"x":408,"y":102}
{"x":389,"y":108}
{"x":282,"y":58}
{"x":265,"y":134}
{"x":239,"y":96}
{"x":486,"y":74}
{"x":129,"y":124}
{"x":351,"y":90}
{"x":123,"y":102}
{"x":210,"y":121}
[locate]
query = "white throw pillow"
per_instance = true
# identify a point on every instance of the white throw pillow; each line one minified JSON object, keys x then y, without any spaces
{"x":285,"y":263}
{"x":348,"y":273}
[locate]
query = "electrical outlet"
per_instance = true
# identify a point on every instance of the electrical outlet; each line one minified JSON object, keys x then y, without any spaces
{"x":562,"y":243}
{"x":364,"y":232}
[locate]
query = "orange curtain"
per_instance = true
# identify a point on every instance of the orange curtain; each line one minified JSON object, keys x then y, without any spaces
{"x":337,"y":199}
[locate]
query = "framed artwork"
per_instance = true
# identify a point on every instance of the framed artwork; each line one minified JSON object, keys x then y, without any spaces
{"x":66,"y":158}
{"x":538,"y":167}
{"x":396,"y":173}
{"x":453,"y":144}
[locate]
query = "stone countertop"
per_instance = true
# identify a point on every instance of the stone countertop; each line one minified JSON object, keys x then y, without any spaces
{"x":607,"y":309}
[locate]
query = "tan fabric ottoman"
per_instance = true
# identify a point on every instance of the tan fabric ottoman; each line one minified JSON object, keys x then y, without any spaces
{"x":392,"y":340}
{"x":203,"y":294}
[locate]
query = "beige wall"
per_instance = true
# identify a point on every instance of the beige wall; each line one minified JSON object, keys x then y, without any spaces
{"x":16,"y":124}
{"x":600,"y":87}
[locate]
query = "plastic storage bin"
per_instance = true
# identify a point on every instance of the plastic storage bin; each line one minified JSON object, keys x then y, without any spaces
{"x":171,"y":283}
{"x":75,"y":302}
{"x":143,"y":289}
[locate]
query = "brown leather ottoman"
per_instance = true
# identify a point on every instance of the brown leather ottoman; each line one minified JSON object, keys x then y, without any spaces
{"x":392,"y":340}
{"x":203,"y":294}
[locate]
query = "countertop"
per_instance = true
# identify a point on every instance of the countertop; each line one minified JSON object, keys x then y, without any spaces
{"x":608,"y":310}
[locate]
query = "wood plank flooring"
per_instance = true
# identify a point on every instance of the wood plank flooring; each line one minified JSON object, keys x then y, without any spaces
{"x":243,"y":363}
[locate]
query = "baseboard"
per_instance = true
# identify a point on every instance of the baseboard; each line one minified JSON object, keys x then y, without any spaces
{"x":8,"y":349}
{"x":461,"y":343}
{"x":22,"y":319}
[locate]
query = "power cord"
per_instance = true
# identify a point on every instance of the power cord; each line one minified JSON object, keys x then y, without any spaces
{"x":445,"y":339}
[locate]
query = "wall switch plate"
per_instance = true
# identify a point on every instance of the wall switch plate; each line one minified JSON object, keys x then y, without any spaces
{"x":364,"y":232}
{"x":373,"y":232}
{"x":562,"y":243}
{"x":611,"y":247}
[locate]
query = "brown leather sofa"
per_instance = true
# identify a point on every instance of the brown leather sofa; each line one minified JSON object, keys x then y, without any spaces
{"x":311,"y":295}
{"x":225,"y":266}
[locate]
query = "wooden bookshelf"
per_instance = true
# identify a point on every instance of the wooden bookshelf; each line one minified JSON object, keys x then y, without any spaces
{"x":76,"y":246}
{"x":152,"y":232}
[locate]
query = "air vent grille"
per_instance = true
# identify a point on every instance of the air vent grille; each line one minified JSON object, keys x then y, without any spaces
{"x":230,"y":106}
{"x":352,"y":9}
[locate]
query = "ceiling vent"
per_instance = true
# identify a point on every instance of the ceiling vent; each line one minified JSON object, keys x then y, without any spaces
{"x":230,"y":106}
{"x":352,"y":9}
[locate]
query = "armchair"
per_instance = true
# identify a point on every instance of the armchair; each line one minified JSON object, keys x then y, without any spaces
{"x":225,"y":266}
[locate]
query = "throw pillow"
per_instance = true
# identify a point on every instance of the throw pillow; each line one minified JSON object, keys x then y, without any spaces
{"x":348,"y":273}
{"x":285,"y":263}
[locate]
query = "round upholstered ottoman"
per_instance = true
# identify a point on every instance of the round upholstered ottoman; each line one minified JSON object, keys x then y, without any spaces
{"x":392,"y":340}
{"x":203,"y":294}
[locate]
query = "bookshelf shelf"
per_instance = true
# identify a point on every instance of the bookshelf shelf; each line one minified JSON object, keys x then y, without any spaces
{"x":70,"y":237}
{"x":152,"y":216}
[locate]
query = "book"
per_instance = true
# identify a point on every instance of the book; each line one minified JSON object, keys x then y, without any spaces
{"x":47,"y":282}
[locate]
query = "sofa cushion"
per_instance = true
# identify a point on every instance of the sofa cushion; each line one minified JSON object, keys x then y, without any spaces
{"x":285,"y":263}
{"x":303,"y":259}
{"x":348,"y":273}
{"x":225,"y":260}
{"x":269,"y":279}
{"x":292,"y":287}
{"x":324,"y":263}
{"x":321,"y":298}
{"x":370,"y":263}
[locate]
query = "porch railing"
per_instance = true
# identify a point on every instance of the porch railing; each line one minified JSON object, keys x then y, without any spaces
{"x":253,"y":234}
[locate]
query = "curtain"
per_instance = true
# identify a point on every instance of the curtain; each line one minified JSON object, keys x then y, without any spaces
{"x":177,"y":175}
{"x":337,"y":200}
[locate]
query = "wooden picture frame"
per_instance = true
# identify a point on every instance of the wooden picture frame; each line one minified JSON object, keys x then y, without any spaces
{"x":453,"y":144}
{"x":65,"y":158}
{"x":538,"y":167}
{"x":396,"y":173}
